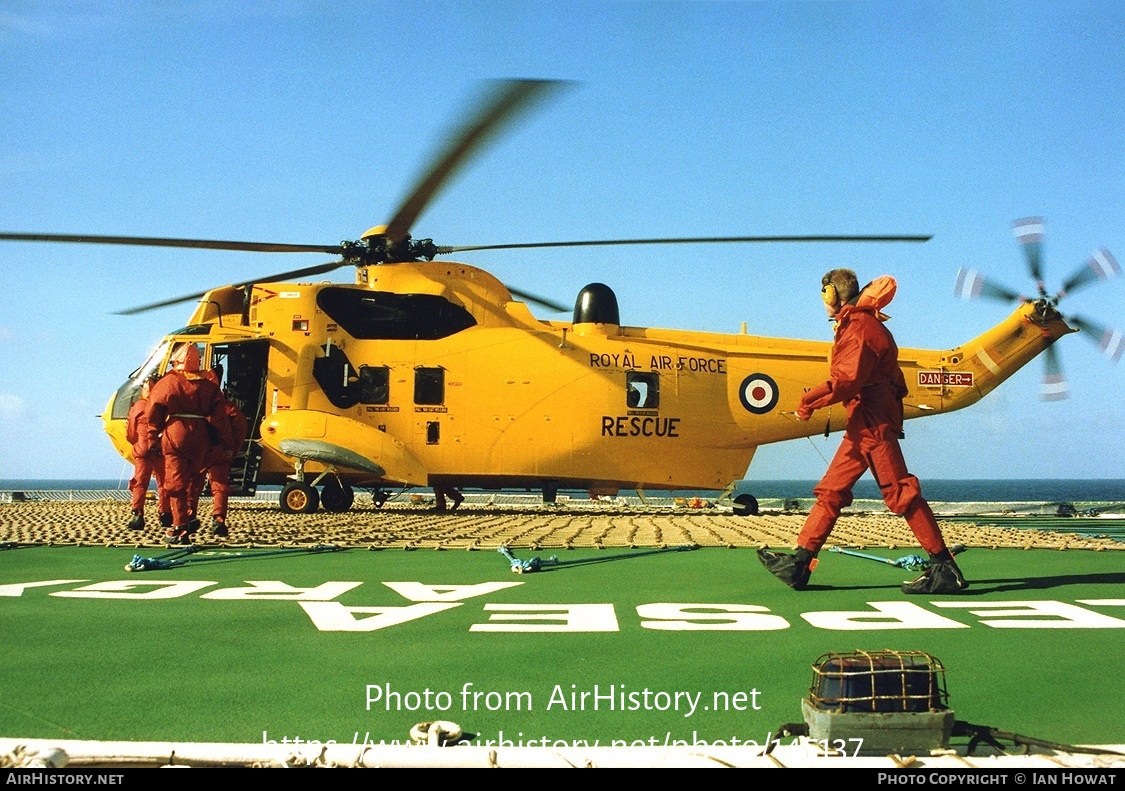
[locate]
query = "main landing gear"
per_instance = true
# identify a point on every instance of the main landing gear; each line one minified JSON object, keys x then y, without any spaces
{"x":336,"y":496}
{"x":298,"y":497}
{"x":301,"y":497}
{"x":745,"y":505}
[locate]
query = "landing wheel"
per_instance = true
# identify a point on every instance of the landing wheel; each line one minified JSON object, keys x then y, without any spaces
{"x":336,"y":496}
{"x":298,"y":498}
{"x":746,"y":505}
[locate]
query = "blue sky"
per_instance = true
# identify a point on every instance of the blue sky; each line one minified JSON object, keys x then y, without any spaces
{"x":307,"y":122}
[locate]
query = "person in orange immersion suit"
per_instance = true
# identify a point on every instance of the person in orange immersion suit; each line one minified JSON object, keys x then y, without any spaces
{"x":866,"y":378}
{"x":218,"y":463}
{"x":182,"y":405}
{"x":147,"y":463}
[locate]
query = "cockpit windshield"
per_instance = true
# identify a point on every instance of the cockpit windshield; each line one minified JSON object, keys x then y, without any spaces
{"x":127,"y":393}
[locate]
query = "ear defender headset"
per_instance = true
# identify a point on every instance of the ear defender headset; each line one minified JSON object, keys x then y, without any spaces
{"x":828,"y":294}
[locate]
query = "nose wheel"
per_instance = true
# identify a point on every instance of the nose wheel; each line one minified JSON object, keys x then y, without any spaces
{"x":298,"y":497}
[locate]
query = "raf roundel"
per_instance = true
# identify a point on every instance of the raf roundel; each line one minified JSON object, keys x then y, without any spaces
{"x":758,"y":393}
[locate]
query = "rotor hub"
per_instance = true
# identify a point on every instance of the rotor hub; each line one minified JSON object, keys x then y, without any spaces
{"x":1045,"y":310}
{"x":376,"y":248}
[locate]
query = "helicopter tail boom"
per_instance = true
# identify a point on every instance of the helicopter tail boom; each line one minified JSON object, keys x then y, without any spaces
{"x":954,"y":379}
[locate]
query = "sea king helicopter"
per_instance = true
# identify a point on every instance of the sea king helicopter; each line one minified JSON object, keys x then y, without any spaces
{"x":427,"y":372}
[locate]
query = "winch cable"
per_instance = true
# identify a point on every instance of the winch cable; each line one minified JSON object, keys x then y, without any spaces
{"x":827,"y":432}
{"x":181,"y":557}
{"x":818,"y":453}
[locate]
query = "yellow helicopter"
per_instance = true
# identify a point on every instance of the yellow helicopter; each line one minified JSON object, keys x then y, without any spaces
{"x":434,"y":373}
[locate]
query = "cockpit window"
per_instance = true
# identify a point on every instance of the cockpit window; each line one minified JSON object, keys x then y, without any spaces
{"x":379,"y":315}
{"x":128,"y":392}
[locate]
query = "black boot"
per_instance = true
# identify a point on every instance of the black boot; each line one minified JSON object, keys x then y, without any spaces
{"x":219,"y":528}
{"x":165,"y":519}
{"x":793,"y":569}
{"x":178,"y":536}
{"x":137,"y":521}
{"x":942,"y":576}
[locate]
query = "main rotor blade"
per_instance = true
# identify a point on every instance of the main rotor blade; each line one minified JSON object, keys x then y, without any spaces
{"x":1029,"y":234}
{"x":684,"y":240}
{"x":293,"y":273}
{"x":1108,"y":339}
{"x":1101,"y":266}
{"x":150,"y":241}
{"x":1054,"y":386}
{"x":507,"y":99}
{"x":971,"y":284}
{"x":527,"y":297}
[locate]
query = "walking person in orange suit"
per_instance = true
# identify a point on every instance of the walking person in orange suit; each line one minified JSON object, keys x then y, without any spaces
{"x":182,"y":405}
{"x":866,"y":378}
{"x":217,"y":464}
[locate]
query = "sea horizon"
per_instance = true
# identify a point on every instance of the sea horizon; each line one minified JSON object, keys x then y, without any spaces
{"x":1085,"y":490}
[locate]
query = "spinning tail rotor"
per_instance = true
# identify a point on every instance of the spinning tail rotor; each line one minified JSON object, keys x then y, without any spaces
{"x":1029,"y":233}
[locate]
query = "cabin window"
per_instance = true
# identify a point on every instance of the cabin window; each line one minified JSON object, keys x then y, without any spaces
{"x":374,"y":384}
{"x":379,"y":315}
{"x":642,"y":390}
{"x":429,"y":385}
{"x":200,"y":346}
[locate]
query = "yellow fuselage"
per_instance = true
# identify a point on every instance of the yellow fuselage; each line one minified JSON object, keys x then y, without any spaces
{"x":525,"y":402}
